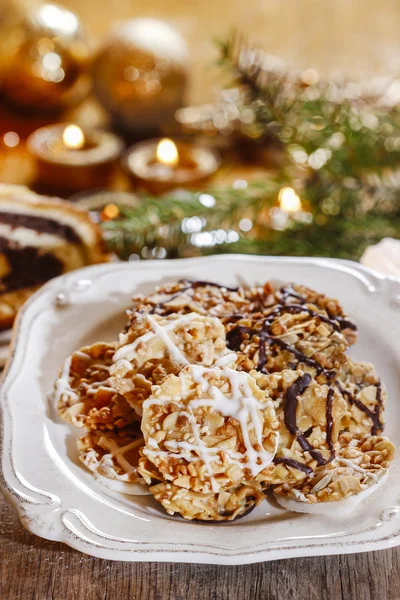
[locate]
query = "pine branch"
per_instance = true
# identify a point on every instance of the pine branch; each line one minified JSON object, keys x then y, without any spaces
{"x":350,"y":131}
{"x":341,"y":145}
{"x":160,"y":222}
{"x":344,"y":220}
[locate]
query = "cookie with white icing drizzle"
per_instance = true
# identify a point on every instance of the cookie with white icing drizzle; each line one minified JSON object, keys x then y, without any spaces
{"x":83,"y":392}
{"x":226,"y":505}
{"x":209,"y":429}
{"x":113,"y":456}
{"x":159,"y":346}
{"x":185,"y":339}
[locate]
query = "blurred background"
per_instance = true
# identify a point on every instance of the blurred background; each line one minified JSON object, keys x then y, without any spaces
{"x":259,"y":126}
{"x":359,"y":38}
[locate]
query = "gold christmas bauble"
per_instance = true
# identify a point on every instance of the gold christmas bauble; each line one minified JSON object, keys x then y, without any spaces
{"x":140,"y":74}
{"x":44,"y":59}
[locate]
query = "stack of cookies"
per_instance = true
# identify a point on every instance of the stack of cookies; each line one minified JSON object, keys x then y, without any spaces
{"x":215,"y":396}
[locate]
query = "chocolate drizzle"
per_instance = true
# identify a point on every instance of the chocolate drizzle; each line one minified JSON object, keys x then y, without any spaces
{"x":159,"y":305}
{"x":190,"y":285}
{"x":329,"y":418}
{"x":290,"y":408}
{"x":295,"y":464}
{"x":299,"y":308}
{"x":343,"y":322}
{"x":197,"y":284}
{"x":288,"y":292}
{"x":377,"y":425}
{"x":40,"y":224}
{"x":296,"y":389}
{"x":235,"y":338}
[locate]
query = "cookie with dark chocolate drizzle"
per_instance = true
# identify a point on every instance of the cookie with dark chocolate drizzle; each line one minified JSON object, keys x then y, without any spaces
{"x":377,"y":426}
{"x":332,"y":308}
{"x":236,"y":336}
{"x":262,"y":327}
{"x":190,"y":285}
{"x":359,"y":383}
{"x":184,"y":296}
{"x":290,"y":409}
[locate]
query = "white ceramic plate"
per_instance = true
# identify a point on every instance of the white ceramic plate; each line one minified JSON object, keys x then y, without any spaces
{"x":59,"y":500}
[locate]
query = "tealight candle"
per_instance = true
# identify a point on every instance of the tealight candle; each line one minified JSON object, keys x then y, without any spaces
{"x":161,"y":165}
{"x":289,"y":208}
{"x":289,"y":201}
{"x":74,"y":158}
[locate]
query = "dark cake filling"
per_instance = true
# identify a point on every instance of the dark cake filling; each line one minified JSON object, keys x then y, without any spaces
{"x":27,"y":266}
{"x":40,"y":224}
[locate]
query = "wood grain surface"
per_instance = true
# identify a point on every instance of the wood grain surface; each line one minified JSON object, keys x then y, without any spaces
{"x":35,"y":569}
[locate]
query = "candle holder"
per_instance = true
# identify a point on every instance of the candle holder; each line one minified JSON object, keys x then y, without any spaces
{"x":73,"y":158}
{"x":160,"y":165}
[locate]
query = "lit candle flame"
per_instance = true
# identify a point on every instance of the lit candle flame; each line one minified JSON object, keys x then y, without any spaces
{"x":289,"y":200}
{"x":167,"y":152}
{"x":110,"y":212}
{"x":73,"y":137}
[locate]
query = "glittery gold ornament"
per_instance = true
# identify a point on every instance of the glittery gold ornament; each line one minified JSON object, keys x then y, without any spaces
{"x":140,"y":74}
{"x":43,"y":59}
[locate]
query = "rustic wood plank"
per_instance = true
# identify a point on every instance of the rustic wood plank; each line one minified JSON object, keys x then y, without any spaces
{"x":35,"y":569}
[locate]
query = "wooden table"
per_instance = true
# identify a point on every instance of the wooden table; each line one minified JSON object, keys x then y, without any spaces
{"x":35,"y":569}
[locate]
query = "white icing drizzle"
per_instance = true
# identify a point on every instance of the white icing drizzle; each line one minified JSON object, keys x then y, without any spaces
{"x":82,"y":355}
{"x":117,"y":453}
{"x":183,"y":384}
{"x":352,"y":465}
{"x":300,"y":497}
{"x":123,"y":364}
{"x":173,"y":350}
{"x":175,"y":444}
{"x":241,"y":405}
{"x":62,"y":386}
{"x":123,"y":338}
{"x":226,"y":359}
{"x":128,"y":351}
{"x":202,"y":449}
{"x":92,"y":389}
